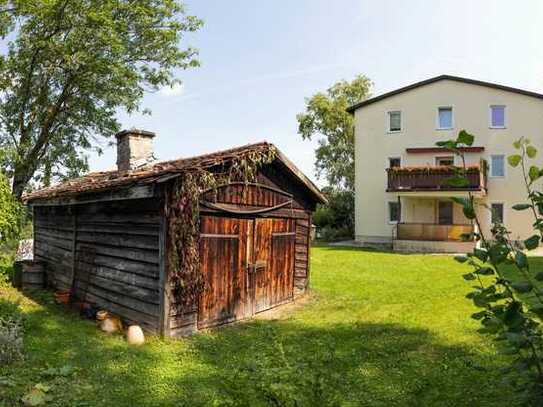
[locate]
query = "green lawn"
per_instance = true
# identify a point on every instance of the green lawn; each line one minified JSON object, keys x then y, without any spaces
{"x":380,"y":329}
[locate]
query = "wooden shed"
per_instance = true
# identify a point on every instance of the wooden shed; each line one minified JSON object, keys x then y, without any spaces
{"x":109,"y":236}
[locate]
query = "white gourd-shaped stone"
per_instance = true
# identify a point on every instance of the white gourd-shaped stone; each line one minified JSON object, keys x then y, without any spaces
{"x":134,"y":335}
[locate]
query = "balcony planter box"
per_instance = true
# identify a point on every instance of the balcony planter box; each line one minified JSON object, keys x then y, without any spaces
{"x":433,"y":178}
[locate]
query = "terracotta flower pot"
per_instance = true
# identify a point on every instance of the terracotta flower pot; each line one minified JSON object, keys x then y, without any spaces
{"x":62,"y":297}
{"x":101,"y":315}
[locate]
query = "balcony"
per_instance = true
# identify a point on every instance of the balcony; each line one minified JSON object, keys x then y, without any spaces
{"x":433,"y":232}
{"x":434,"y":178}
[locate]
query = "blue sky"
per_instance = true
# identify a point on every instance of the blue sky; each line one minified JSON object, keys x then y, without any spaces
{"x":260,"y":59}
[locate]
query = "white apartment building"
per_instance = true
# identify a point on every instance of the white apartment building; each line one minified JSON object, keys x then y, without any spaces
{"x":402,"y":197}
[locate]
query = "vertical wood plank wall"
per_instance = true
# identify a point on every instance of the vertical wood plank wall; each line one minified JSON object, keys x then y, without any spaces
{"x":53,"y":243}
{"x":301,"y":258}
{"x":116,"y":261}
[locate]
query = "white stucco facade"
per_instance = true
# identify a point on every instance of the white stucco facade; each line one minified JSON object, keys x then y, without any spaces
{"x":471,"y":104}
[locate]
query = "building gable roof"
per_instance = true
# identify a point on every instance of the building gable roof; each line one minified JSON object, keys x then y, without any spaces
{"x":352,"y":108}
{"x":99,"y":182}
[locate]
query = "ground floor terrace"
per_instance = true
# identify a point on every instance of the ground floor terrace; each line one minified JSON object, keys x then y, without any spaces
{"x":430,"y":224}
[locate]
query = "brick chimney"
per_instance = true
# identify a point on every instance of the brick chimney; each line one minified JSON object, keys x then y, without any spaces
{"x":134,"y":149}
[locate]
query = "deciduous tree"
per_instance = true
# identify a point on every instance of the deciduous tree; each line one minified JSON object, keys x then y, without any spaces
{"x":326,"y":118}
{"x":70,"y":65}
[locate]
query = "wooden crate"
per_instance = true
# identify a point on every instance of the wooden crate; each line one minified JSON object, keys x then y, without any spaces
{"x":32,"y":275}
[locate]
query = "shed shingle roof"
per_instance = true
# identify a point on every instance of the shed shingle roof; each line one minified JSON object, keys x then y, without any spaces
{"x":95,"y":182}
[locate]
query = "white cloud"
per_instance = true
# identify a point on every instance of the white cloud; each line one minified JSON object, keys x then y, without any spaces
{"x":171,"y":91}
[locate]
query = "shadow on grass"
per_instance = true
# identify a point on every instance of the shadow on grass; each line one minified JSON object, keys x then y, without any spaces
{"x":260,"y":362}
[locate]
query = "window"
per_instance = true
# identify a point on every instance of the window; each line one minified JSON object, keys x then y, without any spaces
{"x":497,"y":166}
{"x":445,"y":118}
{"x":497,"y":117}
{"x":445,"y":161}
{"x":496,"y":213}
{"x":394,"y":162}
{"x":394,"y":210}
{"x":394,"y":121}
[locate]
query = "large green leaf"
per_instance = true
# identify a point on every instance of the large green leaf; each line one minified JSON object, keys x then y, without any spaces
{"x":461,"y":200}
{"x":480,"y":301}
{"x":467,"y":205}
{"x":461,"y":258}
{"x":534,"y":173}
{"x":465,"y":138}
{"x":521,"y":207}
{"x":481,"y":254}
{"x":469,"y":212}
{"x":491,"y":325}
{"x":498,"y":253}
{"x":479,"y":315}
{"x":514,"y":160}
{"x":531,"y":151}
{"x":513,"y":314}
{"x":450,"y":144}
{"x":485,"y":271}
{"x":532,"y":242}
{"x":520,"y":259}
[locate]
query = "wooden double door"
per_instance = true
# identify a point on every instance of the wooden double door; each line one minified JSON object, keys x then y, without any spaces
{"x":247,"y":266}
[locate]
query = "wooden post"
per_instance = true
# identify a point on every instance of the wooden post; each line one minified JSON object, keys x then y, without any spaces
{"x":163,"y":281}
{"x":399,"y":209}
{"x":74,"y":248}
{"x":308,"y":259}
{"x":399,"y":217}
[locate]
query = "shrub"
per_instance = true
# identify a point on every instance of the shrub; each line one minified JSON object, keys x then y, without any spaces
{"x":506,"y":286}
{"x":331,"y":234}
{"x":11,"y":341}
{"x":336,"y":219}
{"x":6,"y":266}
{"x":11,"y":332}
{"x":11,"y":213}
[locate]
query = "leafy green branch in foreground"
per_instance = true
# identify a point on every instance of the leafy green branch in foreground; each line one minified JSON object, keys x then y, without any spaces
{"x":507,"y":289}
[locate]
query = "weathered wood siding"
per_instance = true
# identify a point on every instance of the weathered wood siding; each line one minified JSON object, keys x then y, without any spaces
{"x":113,"y":249}
{"x":53,"y":243}
{"x":115,"y":253}
{"x":301,"y":258}
{"x":301,"y":210}
{"x":282,"y":188}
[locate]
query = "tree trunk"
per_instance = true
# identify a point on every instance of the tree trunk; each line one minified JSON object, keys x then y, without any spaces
{"x":21,"y":177}
{"x":18,"y":188}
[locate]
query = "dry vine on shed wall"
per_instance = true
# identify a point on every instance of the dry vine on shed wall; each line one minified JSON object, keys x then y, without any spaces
{"x":182,"y":212}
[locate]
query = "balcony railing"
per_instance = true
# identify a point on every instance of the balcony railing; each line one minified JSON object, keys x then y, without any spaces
{"x":434,"y":232}
{"x":434,"y":179}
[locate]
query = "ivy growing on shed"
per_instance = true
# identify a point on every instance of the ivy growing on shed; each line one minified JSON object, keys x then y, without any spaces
{"x":182,"y":211}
